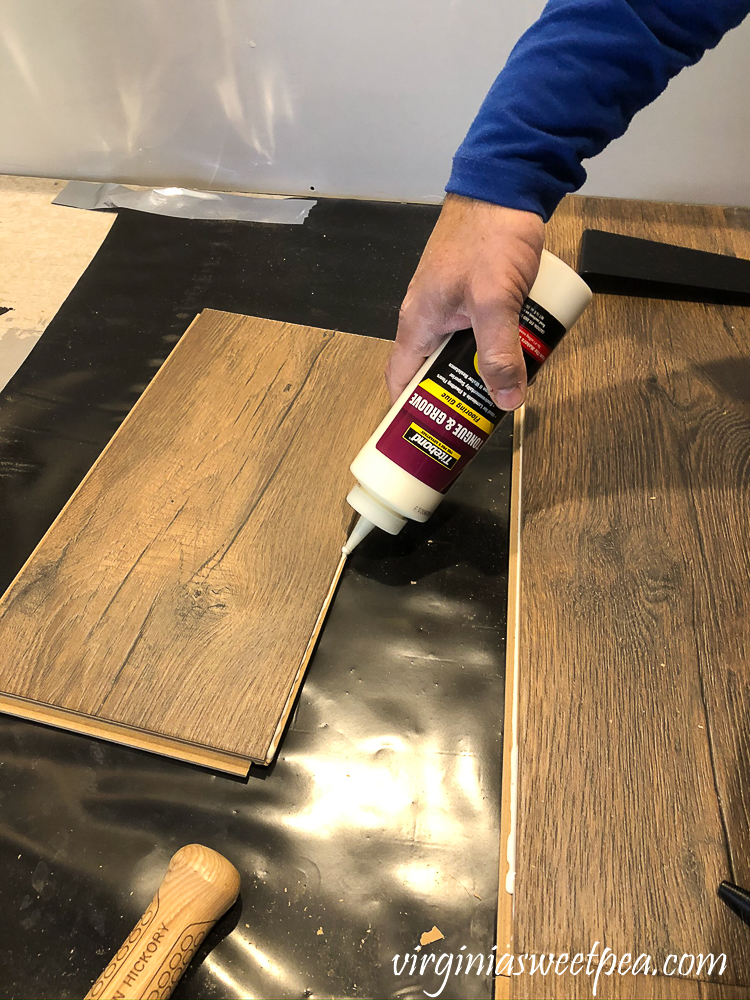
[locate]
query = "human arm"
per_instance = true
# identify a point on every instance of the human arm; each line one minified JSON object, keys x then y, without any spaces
{"x":572,"y":84}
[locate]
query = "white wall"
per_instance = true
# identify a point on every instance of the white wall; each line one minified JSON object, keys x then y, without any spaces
{"x":346,"y":97}
{"x":693,"y":143}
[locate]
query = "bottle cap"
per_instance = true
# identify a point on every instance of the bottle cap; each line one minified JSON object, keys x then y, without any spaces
{"x":375,"y":510}
{"x":559,"y":290}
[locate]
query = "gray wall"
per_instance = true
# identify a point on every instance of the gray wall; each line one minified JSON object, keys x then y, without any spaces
{"x":349,"y":97}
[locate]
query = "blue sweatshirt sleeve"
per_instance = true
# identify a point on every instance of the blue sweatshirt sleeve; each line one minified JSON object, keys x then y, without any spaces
{"x":572,"y":84}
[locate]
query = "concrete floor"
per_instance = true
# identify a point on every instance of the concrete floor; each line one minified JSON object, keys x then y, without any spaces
{"x":44,"y":249}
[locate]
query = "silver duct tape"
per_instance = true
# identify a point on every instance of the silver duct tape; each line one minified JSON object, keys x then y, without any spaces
{"x":182,"y":203}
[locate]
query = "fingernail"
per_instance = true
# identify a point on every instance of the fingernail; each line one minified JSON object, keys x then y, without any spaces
{"x":508,"y":399}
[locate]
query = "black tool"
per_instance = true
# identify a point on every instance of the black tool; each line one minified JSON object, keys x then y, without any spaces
{"x":736,"y":898}
{"x":628,"y":265}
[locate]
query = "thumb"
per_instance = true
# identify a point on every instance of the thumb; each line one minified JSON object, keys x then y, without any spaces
{"x":500,"y":355}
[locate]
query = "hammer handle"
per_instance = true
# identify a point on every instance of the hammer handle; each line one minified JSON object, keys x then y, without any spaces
{"x":199,"y":886}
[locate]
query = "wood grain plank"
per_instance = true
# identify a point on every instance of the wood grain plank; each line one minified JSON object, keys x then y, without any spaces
{"x":634,"y":794}
{"x":720,"y":991}
{"x":614,"y":987}
{"x":178,"y":590}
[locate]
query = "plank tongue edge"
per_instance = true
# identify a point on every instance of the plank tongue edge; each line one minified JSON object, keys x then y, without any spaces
{"x":114,"y":732}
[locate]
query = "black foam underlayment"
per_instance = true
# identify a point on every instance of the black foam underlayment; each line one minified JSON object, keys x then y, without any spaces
{"x":380,"y":816}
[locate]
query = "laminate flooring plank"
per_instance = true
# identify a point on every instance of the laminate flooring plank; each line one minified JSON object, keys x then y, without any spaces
{"x":718,"y":991}
{"x":608,"y":987}
{"x":178,"y":590}
{"x":634,"y":783}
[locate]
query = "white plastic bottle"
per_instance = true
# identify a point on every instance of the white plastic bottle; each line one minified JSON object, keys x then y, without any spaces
{"x":445,"y":414}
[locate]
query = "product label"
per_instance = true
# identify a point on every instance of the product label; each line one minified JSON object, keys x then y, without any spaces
{"x":540,"y":334}
{"x":450,"y":414}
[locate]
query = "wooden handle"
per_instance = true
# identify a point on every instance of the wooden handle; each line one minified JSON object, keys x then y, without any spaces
{"x":199,"y":886}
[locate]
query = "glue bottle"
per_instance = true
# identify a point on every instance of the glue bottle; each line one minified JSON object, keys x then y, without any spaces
{"x":445,"y":414}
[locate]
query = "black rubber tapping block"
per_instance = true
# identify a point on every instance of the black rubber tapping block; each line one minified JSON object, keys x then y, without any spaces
{"x":736,"y":898}
{"x":628,"y":265}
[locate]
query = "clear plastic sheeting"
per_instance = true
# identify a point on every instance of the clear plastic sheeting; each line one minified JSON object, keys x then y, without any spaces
{"x":181,"y":203}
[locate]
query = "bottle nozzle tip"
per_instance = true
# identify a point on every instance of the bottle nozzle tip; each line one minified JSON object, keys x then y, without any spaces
{"x":361,"y":529}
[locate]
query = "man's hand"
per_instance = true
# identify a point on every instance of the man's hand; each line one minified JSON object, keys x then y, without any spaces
{"x":476,"y":271}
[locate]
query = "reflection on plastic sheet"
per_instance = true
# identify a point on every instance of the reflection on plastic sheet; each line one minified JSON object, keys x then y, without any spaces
{"x":183,"y":204}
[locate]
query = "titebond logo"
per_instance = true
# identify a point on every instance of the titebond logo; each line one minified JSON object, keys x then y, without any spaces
{"x":430,"y":445}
